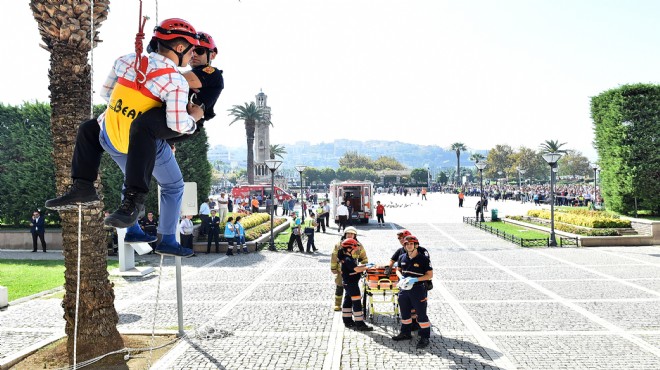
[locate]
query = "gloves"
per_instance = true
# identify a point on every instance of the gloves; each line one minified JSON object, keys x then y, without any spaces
{"x":413,"y":280}
{"x":388,"y":270}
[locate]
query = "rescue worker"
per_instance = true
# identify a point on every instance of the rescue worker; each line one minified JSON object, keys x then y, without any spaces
{"x":401,"y":235}
{"x":351,"y":271}
{"x":359,"y":254}
{"x":129,"y":97}
{"x":413,"y":269}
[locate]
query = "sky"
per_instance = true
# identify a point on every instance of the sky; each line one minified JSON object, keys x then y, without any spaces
{"x":429,"y":72}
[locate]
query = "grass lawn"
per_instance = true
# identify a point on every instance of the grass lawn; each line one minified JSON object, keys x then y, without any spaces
{"x":519,"y":231}
{"x":26,"y":277}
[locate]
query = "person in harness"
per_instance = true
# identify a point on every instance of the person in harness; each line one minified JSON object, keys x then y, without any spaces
{"x":135,"y":85}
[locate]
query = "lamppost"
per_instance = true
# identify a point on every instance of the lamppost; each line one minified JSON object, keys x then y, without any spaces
{"x":552,"y":159}
{"x":480,"y":166}
{"x":428,"y":177}
{"x":300,"y":168}
{"x":520,"y":173}
{"x":273,"y":165}
{"x":596,"y":168}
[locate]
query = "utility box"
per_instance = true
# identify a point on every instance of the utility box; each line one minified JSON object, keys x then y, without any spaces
{"x":4,"y":297}
{"x":493,"y":215}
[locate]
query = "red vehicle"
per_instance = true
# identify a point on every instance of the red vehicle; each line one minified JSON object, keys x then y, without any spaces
{"x":264,"y":190}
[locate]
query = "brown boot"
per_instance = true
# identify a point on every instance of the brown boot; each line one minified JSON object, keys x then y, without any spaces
{"x":338,"y":299}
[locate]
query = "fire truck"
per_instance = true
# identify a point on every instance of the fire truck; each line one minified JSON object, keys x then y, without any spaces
{"x":358,"y":196}
{"x":247,"y":191}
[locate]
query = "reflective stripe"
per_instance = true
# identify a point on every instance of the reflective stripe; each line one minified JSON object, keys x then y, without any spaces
{"x":406,"y":322}
{"x":346,"y":309}
{"x":425,"y":299}
{"x":356,"y":297}
{"x":358,"y":319}
{"x":358,"y":313}
{"x":424,"y":325}
{"x":346,"y":314}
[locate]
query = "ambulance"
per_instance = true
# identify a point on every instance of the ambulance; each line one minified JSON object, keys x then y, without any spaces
{"x":359,"y":198}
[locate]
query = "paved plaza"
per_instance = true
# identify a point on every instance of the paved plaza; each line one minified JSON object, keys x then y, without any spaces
{"x":494,"y":305}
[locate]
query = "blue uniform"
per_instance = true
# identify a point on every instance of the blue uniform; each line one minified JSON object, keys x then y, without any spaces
{"x":415,"y":298}
{"x":352,"y":306}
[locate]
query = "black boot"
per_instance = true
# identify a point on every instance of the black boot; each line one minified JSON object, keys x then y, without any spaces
{"x":80,"y":192}
{"x":402,"y":336}
{"x":132,"y":207}
{"x":423,"y":343}
{"x":361,"y":326}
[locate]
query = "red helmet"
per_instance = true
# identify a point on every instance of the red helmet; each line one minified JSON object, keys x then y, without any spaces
{"x":411,"y":239}
{"x":206,"y":41}
{"x":403,"y":234}
{"x":172,"y":28}
{"x":349,"y":243}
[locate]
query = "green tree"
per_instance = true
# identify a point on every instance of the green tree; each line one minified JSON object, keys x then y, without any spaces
{"x":477,"y":157}
{"x":352,"y":159}
{"x":458,"y":148}
{"x":552,"y":146}
{"x":358,"y":174}
{"x":387,"y":163}
{"x":277,"y":150}
{"x":574,"y":164}
{"x":249,"y":113}
{"x":500,"y":158}
{"x":442,"y":178}
{"x":419,"y":175}
{"x":191,"y":155}
{"x":529,"y":160}
{"x":327,"y":175}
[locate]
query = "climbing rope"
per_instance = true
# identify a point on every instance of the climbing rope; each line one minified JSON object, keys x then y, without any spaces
{"x":75,"y":326}
{"x":91,"y":60}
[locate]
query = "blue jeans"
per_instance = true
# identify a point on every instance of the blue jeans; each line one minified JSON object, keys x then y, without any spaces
{"x":169,"y":177}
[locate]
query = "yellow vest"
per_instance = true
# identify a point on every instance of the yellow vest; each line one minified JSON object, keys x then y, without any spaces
{"x":127,"y":102}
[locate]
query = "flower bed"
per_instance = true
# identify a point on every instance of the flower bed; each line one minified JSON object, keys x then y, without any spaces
{"x":584,"y":218}
{"x":255,"y":225}
{"x":567,"y":227}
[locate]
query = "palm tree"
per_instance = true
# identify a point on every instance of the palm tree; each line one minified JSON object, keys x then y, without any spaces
{"x":477,"y":157}
{"x":552,"y":146}
{"x":250,"y":113}
{"x":64,"y":27}
{"x":277,"y":150}
{"x":458,"y":148}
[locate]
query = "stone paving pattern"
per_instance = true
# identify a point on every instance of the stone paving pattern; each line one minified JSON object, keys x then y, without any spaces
{"x":495,"y":305}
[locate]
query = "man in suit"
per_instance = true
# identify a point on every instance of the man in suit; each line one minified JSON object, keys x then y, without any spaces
{"x":37,"y":229}
{"x":214,"y":233}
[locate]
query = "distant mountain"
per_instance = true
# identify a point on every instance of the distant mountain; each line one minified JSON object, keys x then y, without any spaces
{"x":328,"y":154}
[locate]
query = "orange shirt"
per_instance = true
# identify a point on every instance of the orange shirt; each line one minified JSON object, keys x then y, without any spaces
{"x":255,"y":203}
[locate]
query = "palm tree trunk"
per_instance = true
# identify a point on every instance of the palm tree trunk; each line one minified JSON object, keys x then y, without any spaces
{"x":458,"y":167}
{"x":97,"y":318}
{"x":249,"y":132}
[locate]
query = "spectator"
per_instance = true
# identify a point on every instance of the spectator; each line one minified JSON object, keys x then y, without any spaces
{"x":275,"y":204}
{"x":230,"y":235}
{"x":240,"y":236}
{"x":37,"y":230}
{"x":186,"y":228}
{"x":380,"y":214}
{"x":285,"y":207}
{"x":269,"y":204}
{"x":214,"y":233}
{"x":342,"y":217}
{"x":255,"y":204}
{"x":204,"y":211}
{"x":150,"y":227}
{"x":223,"y":206}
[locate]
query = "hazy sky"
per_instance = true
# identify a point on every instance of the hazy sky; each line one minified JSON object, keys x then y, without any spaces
{"x":433,"y":72}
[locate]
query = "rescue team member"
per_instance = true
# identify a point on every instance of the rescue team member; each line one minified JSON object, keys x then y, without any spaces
{"x":351,"y":271}
{"x":206,"y":84}
{"x":414,"y":269}
{"x":380,"y":214}
{"x":401,"y":235}
{"x":359,"y":254}
{"x":128,"y":97}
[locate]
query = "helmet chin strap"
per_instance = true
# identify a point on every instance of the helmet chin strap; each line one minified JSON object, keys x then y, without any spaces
{"x":179,"y":55}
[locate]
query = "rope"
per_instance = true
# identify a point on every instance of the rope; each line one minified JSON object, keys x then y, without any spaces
{"x":91,"y":61}
{"x":156,"y":12}
{"x":75,"y":326}
{"x":153,"y":327}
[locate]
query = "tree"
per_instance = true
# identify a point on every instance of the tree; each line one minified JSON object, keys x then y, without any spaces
{"x":65,"y":29}
{"x":458,"y":148}
{"x":442,"y":178}
{"x":477,"y":157}
{"x":419,"y":175}
{"x":499,"y":159}
{"x":552,"y":146}
{"x":530,"y":161}
{"x":327,"y":175}
{"x":277,"y":150}
{"x":388,"y":163}
{"x":249,"y":113}
{"x":352,"y":159}
{"x":195,"y":167}
{"x":574,"y":164}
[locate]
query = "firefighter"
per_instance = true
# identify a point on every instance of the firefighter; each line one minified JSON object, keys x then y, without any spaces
{"x":358,"y":253}
{"x":351,"y":271}
{"x":413,"y":269}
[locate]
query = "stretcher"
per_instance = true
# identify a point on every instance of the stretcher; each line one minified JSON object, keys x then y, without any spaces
{"x":380,"y":289}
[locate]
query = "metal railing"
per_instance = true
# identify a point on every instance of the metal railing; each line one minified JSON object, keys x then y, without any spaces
{"x":523,"y":242}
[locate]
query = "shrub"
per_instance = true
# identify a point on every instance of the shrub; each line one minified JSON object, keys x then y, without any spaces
{"x":598,"y":220}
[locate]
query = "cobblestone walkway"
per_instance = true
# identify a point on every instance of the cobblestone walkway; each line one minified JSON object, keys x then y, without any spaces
{"x":494,"y":305}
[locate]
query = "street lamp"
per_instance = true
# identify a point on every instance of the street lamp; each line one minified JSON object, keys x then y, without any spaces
{"x":480,"y":166}
{"x":273,"y":165}
{"x":596,"y":168}
{"x":552,"y":159}
{"x":300,"y":168}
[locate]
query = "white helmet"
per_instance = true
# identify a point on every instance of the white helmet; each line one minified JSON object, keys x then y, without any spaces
{"x":350,"y":229}
{"x":405,"y":284}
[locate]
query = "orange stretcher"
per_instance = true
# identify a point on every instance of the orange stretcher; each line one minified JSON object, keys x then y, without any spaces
{"x":380,"y":289}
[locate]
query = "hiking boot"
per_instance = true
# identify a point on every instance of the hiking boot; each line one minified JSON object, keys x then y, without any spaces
{"x":361,"y":326}
{"x":401,"y":336}
{"x":81,"y":192}
{"x":173,"y":249}
{"x":132,"y":207}
{"x":423,"y":343}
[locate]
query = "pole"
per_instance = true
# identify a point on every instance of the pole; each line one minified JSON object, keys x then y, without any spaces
{"x":481,"y":176}
{"x":271,"y":247}
{"x":553,"y":241}
{"x":179,"y":295}
{"x":302,"y":199}
{"x":595,"y":197}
